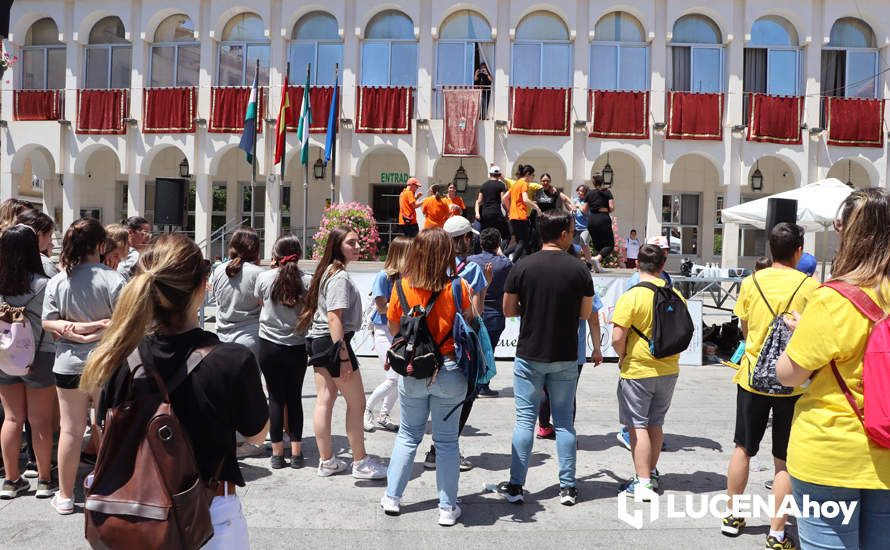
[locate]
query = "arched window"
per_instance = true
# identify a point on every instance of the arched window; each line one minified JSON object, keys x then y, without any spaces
{"x":619,"y":55}
{"x":850,"y":60}
{"x":389,"y":51}
{"x":542,"y":53}
{"x":43,"y":57}
{"x":243,"y":43}
{"x":464,"y":56}
{"x":696,"y":55}
{"x":175,"y":54}
{"x":108,"y":55}
{"x":772,"y":58}
{"x":315,"y":39}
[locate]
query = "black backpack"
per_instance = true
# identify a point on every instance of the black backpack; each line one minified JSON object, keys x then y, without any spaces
{"x":672,"y":327}
{"x":414,"y":352}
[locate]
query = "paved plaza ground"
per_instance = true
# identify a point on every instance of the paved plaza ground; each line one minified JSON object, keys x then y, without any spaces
{"x":296,"y":509}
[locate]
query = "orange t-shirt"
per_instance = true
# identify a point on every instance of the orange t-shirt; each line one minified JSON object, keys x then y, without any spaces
{"x":518,"y":208}
{"x":440,"y":319}
{"x":436,"y":212}
{"x":407,"y":205}
{"x":459,"y":202}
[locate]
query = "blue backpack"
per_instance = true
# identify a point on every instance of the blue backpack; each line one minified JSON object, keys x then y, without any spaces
{"x":472,"y":348}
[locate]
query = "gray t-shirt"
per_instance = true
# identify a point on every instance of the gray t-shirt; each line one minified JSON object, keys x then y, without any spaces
{"x":32,"y":301}
{"x":278,"y":321}
{"x":337,"y":292}
{"x":125,"y":267}
{"x":88,"y":294}
{"x":238,"y":309}
{"x":49,"y":266}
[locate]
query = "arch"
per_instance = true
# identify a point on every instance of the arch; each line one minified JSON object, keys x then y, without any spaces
{"x":553,"y":159}
{"x":390,"y":24}
{"x":360,"y":162}
{"x":623,"y":150}
{"x":550,"y":26}
{"x":619,"y":26}
{"x":445,"y":167}
{"x":178,"y":27}
{"x":18,"y":29}
{"x":774,"y":30}
{"x":857,"y":170}
{"x":852,"y":32}
{"x":477,"y":26}
{"x":108,"y":30}
{"x":84,"y":155}
{"x":779,"y":173}
{"x":226,"y":16}
{"x":48,"y":31}
{"x":29,"y":150}
{"x":696,"y":28}
{"x":87,"y":23}
{"x":706,"y":156}
{"x":318,"y":19}
{"x":247,"y":26}
{"x":151,"y":155}
{"x":157,"y":18}
{"x":218,"y":156}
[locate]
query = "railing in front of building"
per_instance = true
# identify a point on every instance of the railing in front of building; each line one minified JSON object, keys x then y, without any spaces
{"x":485,"y":102}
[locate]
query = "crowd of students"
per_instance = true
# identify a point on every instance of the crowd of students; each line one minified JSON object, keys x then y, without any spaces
{"x":111,"y":295}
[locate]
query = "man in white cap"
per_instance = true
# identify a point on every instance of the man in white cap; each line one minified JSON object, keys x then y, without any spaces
{"x":489,"y":203}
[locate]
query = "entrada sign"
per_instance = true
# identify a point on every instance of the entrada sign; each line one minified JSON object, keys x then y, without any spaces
{"x":393,"y":177}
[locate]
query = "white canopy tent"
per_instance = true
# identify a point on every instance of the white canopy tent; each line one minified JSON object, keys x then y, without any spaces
{"x":817,"y":207}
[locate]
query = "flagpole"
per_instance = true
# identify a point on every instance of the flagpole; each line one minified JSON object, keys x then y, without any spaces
{"x":306,"y":174}
{"x":253,"y":164}
{"x":334,"y":144}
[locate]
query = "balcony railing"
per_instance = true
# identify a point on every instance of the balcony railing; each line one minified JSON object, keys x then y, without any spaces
{"x":485,"y":106}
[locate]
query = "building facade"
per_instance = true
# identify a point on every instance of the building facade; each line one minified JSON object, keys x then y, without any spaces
{"x":663,"y":182}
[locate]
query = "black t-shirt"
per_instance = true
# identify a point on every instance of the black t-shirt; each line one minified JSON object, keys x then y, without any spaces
{"x":232,"y":398}
{"x":549,"y":201}
{"x":550,"y":285}
{"x":596,"y":199}
{"x":491,"y":195}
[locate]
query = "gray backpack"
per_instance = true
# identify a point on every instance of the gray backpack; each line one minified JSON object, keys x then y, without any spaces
{"x":763,"y":375}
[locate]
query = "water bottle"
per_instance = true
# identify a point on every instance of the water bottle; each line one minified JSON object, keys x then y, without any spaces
{"x":739,"y":352}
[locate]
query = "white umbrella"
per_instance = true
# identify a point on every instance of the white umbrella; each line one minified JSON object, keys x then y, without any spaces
{"x":817,"y":207}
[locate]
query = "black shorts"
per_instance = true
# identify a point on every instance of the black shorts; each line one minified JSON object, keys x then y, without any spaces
{"x":751,"y":416}
{"x":322,"y":354}
{"x":67,"y":381}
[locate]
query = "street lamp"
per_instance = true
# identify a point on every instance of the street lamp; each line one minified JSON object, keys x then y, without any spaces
{"x":607,"y":173}
{"x":756,"y":179}
{"x":184,"y":168}
{"x":318,"y":169}
{"x":461,"y":180}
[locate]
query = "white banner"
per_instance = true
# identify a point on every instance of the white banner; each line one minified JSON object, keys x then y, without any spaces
{"x":608,"y":288}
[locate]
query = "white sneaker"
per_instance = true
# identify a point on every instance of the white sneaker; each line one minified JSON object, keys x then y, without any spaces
{"x":368,"y":468}
{"x":63,"y":506}
{"x":370,"y":422}
{"x":384,"y":422}
{"x":447,"y":518}
{"x":330,"y":467}
{"x":390,"y":505}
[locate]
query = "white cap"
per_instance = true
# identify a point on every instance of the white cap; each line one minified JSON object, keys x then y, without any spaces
{"x":659,"y":241}
{"x":458,"y":226}
{"x":495,"y":169}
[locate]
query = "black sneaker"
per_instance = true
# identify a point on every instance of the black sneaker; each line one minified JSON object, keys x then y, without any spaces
{"x":772,"y":543}
{"x":732,"y":526}
{"x":46,"y":489}
{"x":297,"y":462}
{"x":768,"y":484}
{"x":277,"y":462}
{"x":512,"y":493}
{"x":568,"y":496}
{"x":429,"y":462}
{"x":12,"y":489}
{"x":465,"y":465}
{"x":485,"y":391}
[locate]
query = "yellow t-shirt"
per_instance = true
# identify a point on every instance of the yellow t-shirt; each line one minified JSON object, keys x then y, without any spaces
{"x":634,"y":307}
{"x":533,"y":186}
{"x":828,"y":445}
{"x":777,"y":286}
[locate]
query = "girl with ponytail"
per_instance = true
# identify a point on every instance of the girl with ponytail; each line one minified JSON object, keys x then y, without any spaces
{"x":158,"y":313}
{"x":77,"y":306}
{"x":282,"y":351}
{"x":233,"y":284}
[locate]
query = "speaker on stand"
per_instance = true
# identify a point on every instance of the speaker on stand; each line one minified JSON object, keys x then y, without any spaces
{"x":778,"y":211}
{"x":170,"y":202}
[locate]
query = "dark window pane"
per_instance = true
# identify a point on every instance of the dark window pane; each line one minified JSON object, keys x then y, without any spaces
{"x":188,"y":65}
{"x":162,"y":62}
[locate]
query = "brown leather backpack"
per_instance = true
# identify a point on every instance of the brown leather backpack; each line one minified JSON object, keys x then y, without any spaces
{"x":146,"y":489}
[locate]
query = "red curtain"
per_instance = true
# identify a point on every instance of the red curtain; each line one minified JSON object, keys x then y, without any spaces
{"x":461,"y":114}
{"x":319,"y":102}
{"x":623,"y":115}
{"x":169,"y":110}
{"x":775,"y":119}
{"x":695,"y":116}
{"x":384,"y":110}
{"x":855,"y":122}
{"x":39,"y":104}
{"x":102,"y":111}
{"x":228,"y":105}
{"x":540,"y":111}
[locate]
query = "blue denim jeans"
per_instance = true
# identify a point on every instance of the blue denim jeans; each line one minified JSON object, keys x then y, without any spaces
{"x":869,"y":526}
{"x":529,"y":380}
{"x":419,"y":400}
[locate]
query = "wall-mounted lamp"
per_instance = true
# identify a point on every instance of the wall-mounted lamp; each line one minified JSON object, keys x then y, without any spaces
{"x":500,"y":123}
{"x":4,"y":124}
{"x":271,"y":120}
{"x":346,"y":122}
{"x":580,"y":125}
{"x":63,"y":122}
{"x":318,"y":169}
{"x":184,"y":168}
{"x":130,"y":121}
{"x":756,"y":179}
{"x":608,"y":173}
{"x":739,"y":128}
{"x":423,"y":122}
{"x":200,"y":121}
{"x":815,"y":131}
{"x":659,"y":126}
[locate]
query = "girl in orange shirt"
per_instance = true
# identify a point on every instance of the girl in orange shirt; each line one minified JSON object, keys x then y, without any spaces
{"x":455,"y":203}
{"x":436,"y":208}
{"x":520,"y":204}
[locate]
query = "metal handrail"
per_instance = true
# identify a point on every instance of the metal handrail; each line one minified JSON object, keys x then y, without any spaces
{"x":213,"y":237}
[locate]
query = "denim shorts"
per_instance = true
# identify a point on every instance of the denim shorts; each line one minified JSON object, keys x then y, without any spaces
{"x":40,"y":375}
{"x":867,"y":527}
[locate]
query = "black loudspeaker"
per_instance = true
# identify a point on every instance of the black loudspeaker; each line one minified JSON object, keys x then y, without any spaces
{"x":170,"y":201}
{"x":778,"y":211}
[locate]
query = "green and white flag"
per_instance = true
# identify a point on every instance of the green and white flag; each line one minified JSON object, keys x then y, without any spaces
{"x":305,"y":123}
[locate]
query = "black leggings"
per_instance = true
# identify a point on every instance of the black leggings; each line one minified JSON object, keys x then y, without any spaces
{"x":599,"y":225}
{"x":284,"y":368}
{"x":521,"y":231}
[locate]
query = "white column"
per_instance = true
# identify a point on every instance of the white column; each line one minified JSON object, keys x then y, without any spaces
{"x":425,"y":46}
{"x":731,"y":231}
{"x":578,"y":164}
{"x":70,"y":200}
{"x":502,"y":65}
{"x":272,"y":215}
{"x":203,"y":211}
{"x":348,"y":86}
{"x":139,"y":65}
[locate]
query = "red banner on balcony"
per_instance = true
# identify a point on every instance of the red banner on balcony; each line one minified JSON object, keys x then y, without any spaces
{"x":319,"y":102}
{"x":39,"y":104}
{"x":228,"y":105}
{"x":855,"y":122}
{"x":775,"y":119}
{"x":695,"y":116}
{"x":461,"y":114}
{"x":540,"y":111}
{"x":619,"y":115}
{"x":102,"y":111}
{"x":169,"y":110}
{"x":384,"y":110}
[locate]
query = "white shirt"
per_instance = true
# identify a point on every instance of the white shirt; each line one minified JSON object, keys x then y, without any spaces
{"x":633,"y":248}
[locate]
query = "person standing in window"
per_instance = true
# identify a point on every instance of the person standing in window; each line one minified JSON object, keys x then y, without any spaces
{"x":599,"y":205}
{"x":436,"y":208}
{"x":408,"y":206}
{"x":633,"y":250}
{"x":482,"y":79}
{"x":140,"y":235}
{"x":455,"y":203}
